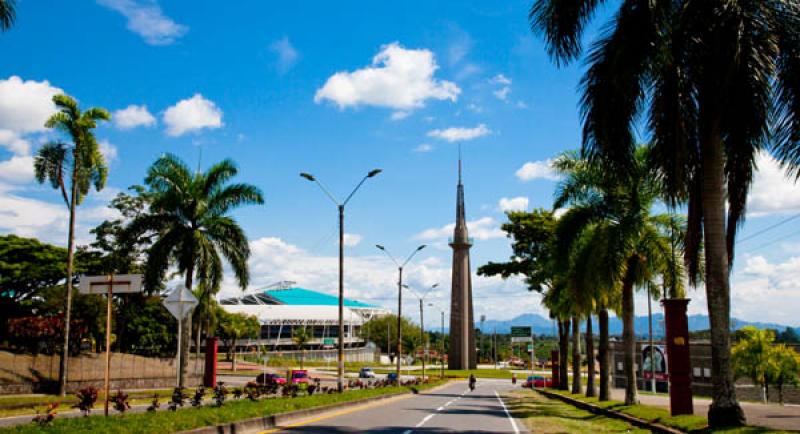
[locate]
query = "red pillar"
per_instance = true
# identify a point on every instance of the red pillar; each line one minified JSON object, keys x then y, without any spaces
{"x":679,"y":363}
{"x":554,"y":366}
{"x":210,"y":374}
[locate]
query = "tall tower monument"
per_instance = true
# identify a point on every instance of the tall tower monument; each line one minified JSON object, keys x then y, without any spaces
{"x":462,"y":329}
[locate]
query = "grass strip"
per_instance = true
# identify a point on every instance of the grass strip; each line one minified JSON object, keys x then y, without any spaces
{"x":190,"y":418}
{"x":454,"y":373}
{"x":687,"y":423}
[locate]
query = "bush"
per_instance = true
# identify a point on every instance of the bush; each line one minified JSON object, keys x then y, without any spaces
{"x":44,"y":419}
{"x":197,"y":399}
{"x":252,"y":390}
{"x":120,"y":400}
{"x":220,"y":393}
{"x":86,"y":399}
{"x":179,"y":397}
{"x":154,"y":404}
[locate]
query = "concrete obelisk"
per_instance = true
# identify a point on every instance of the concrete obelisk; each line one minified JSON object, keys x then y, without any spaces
{"x":462,"y":329}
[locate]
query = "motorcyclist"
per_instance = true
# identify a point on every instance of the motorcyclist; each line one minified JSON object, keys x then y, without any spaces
{"x":472,"y":381}
{"x":513,"y":378}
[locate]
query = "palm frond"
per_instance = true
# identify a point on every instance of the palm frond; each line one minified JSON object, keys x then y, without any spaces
{"x":50,"y":164}
{"x":8,"y":13}
{"x":561,"y":23}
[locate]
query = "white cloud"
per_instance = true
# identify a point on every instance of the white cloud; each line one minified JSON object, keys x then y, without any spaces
{"x":424,"y":147}
{"x":398,"y":78}
{"x":17,"y":169}
{"x":485,"y":228}
{"x":286,"y":53}
{"x":108,"y":150}
{"x":521,"y":105}
{"x":772,"y":191}
{"x":502,"y":93}
{"x":500,"y":79}
{"x":459,"y":46}
{"x":133,"y":116}
{"x":25,"y":105}
{"x":505,"y":86}
{"x":475,"y":108}
{"x":399,"y":115}
{"x":766,"y":291}
{"x":537,"y":170}
{"x":455,"y":134}
{"x":519,"y":203}
{"x":146,"y":19}
{"x":14,"y":143}
{"x":351,"y":240}
{"x":192,"y":114}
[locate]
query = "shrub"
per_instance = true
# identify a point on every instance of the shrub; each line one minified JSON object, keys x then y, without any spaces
{"x":86,"y":399}
{"x":44,"y":419}
{"x":179,"y":397}
{"x":237,"y":392}
{"x":220,"y":393}
{"x":154,"y":404}
{"x":197,"y":399}
{"x":252,"y":390}
{"x":120,"y":400}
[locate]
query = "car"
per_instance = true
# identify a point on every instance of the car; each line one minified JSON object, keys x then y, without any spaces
{"x":268,"y":377}
{"x":392,"y":376}
{"x":366,"y":373}
{"x":538,"y":381}
{"x":298,"y":376}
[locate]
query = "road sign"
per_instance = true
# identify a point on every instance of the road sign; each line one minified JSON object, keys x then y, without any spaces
{"x":180,"y":302}
{"x":530,"y":347}
{"x":521,"y":334}
{"x":120,"y":283}
{"x":328,"y":341}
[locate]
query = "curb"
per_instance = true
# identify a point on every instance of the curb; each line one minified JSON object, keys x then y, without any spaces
{"x":275,"y":420}
{"x":641,"y":423}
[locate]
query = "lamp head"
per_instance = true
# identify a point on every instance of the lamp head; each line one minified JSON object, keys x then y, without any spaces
{"x":308,"y":176}
{"x":373,"y":172}
{"x":380,"y":247}
{"x":435,"y":285}
{"x":420,"y":247}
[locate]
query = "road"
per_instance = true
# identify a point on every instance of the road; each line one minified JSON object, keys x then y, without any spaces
{"x":452,"y":408}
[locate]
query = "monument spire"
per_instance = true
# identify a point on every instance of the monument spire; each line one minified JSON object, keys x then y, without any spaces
{"x":462,"y":332}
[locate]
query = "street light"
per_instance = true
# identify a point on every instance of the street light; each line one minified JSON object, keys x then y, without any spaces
{"x":340,"y":206}
{"x":422,"y":323}
{"x":399,"y":297}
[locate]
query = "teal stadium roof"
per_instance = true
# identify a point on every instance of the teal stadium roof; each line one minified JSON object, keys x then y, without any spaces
{"x":306,"y":297}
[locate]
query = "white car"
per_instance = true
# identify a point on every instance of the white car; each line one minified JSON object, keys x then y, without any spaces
{"x":366,"y":373}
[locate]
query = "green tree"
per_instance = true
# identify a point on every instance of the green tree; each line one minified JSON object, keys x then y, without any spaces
{"x":8,"y":14}
{"x":751,"y":357}
{"x":188,"y":216}
{"x":376,"y":329}
{"x":785,"y":368}
{"x":301,"y":337}
{"x":84,"y":165}
{"x":235,"y":326}
{"x":716,"y":82}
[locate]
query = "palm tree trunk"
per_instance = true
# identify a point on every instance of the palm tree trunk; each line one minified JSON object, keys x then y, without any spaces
{"x":63,"y":363}
{"x":602,"y":354}
{"x":576,"y":355}
{"x":724,"y":409}
{"x":233,"y":362}
{"x":589,"y":357}
{"x":629,"y":342}
{"x":563,"y":349}
{"x":186,"y":337}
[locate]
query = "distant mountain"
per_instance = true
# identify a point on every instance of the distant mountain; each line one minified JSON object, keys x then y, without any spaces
{"x":545,"y":326}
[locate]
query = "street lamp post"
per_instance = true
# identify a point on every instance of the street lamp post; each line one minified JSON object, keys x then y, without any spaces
{"x":421,"y":298}
{"x":399,"y":298}
{"x":340,"y":206}
{"x":441,"y":344}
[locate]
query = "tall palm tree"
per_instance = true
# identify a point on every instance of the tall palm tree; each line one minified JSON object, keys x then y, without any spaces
{"x":717,"y":81}
{"x":189,"y":216}
{"x":301,"y":337}
{"x":637,"y":246}
{"x":8,"y":13}
{"x":72,"y":168}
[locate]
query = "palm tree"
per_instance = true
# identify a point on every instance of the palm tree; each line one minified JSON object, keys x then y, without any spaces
{"x":235,"y":326}
{"x":84,"y":165}
{"x":8,"y":14}
{"x":717,"y":81}
{"x":637,"y":245}
{"x":301,"y":337}
{"x":189,"y":216}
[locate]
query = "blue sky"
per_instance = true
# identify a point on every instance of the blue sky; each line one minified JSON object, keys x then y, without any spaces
{"x":335,"y":90}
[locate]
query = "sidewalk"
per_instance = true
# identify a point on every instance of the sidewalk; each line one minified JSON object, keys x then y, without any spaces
{"x":786,"y":417}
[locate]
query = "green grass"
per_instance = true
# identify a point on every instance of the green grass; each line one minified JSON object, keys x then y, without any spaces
{"x":11,"y":405}
{"x":544,"y":415}
{"x":190,"y":418}
{"x":687,"y":423}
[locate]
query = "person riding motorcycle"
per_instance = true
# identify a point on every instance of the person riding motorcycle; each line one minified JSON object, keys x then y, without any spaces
{"x":472,"y":381}
{"x":514,"y":378}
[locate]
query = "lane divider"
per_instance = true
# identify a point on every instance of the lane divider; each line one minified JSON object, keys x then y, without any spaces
{"x":511,"y":418}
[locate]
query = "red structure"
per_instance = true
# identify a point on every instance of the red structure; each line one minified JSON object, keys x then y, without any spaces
{"x":678,"y":360}
{"x":554,"y":366}
{"x":210,"y":374}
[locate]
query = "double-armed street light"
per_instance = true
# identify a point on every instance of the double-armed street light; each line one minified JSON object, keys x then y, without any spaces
{"x":340,"y":206}
{"x":421,"y":298}
{"x":399,"y":298}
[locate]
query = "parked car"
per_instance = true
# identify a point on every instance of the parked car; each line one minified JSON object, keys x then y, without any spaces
{"x":366,"y":373}
{"x":267,"y":377}
{"x":298,"y":376}
{"x":538,"y":381}
{"x":392,"y":376}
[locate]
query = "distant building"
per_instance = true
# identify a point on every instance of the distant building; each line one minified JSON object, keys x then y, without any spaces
{"x":283,"y":308}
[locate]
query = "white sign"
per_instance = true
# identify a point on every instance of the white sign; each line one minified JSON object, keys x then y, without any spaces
{"x":517,"y":339}
{"x":180,"y":302}
{"x":120,"y":283}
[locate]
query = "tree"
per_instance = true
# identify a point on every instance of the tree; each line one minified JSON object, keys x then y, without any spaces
{"x":8,"y":14}
{"x":376,"y":330}
{"x":301,"y":336}
{"x":85,"y":166}
{"x":785,"y":368}
{"x":235,"y":326}
{"x":787,"y":336}
{"x":716,"y":82}
{"x":751,"y":357}
{"x":188,"y":216}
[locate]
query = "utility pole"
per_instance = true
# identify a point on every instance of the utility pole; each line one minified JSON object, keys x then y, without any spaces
{"x":441,"y":344}
{"x":480,"y":352}
{"x":652,"y":347}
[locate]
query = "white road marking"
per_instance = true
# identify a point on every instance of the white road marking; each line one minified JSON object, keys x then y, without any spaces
{"x":408,"y":431}
{"x":440,"y":408}
{"x":427,"y":418}
{"x":503,"y":404}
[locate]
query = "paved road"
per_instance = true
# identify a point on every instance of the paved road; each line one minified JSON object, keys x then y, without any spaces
{"x":452,"y":408}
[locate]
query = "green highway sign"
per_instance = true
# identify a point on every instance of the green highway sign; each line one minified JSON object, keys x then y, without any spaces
{"x":520,"y":332}
{"x":328,"y":341}
{"x":530,"y":347}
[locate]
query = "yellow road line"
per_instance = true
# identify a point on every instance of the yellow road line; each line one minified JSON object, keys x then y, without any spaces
{"x":336,"y":414}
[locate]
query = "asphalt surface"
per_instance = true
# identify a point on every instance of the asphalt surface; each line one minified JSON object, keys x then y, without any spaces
{"x":453,"y":408}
